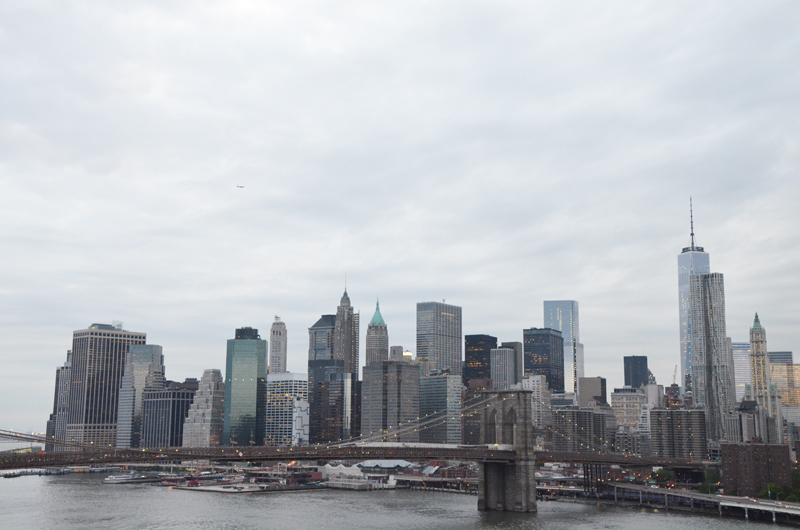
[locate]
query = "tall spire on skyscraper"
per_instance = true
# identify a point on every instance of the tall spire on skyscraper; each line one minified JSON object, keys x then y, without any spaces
{"x":691,"y":220}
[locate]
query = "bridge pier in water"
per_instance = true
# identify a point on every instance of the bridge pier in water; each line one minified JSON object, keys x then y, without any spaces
{"x":508,"y":486}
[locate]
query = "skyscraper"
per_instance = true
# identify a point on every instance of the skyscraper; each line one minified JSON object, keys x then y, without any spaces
{"x":691,"y":261}
{"x":245,"y":385}
{"x":440,"y":409}
{"x":277,"y":347}
{"x":477,"y":357}
{"x":377,"y":338}
{"x":439,"y":335}
{"x":544,"y":355}
{"x":506,"y":367}
{"x":712,"y":359}
{"x":283,"y":391}
{"x":144,"y":369}
{"x":98,"y":363}
{"x":390,"y":402}
{"x":164,"y":413}
{"x":762,"y":390}
{"x":562,"y":315}
{"x":741,"y":367}
{"x":759,"y":363}
{"x":345,"y":336}
{"x":57,"y":424}
{"x":337,"y":414}
{"x":321,"y":366}
{"x":204,"y":420}
{"x":635,"y":370}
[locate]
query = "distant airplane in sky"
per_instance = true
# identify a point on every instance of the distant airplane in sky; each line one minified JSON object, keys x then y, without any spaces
{"x":239,"y":186}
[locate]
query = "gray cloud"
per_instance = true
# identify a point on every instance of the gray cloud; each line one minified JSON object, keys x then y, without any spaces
{"x":495,"y":155}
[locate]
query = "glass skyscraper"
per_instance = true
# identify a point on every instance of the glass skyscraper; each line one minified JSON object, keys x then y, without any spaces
{"x":245,"y":385}
{"x":692,"y":260}
{"x":562,"y":315}
{"x":144,"y":369}
{"x":478,"y":357}
{"x":635,"y":370}
{"x":544,"y":355}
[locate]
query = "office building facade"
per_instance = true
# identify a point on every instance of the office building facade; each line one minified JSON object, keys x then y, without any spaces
{"x":98,"y":364}
{"x":635,"y":371}
{"x":628,"y":403}
{"x":544,"y":355}
{"x":205,"y":417}
{"x":563,"y":315}
{"x":144,"y":369}
{"x":245,"y":385}
{"x":440,"y":409}
{"x":439,"y":335}
{"x":277,"y":347}
{"x":164,"y":412}
{"x":377,"y":339}
{"x":477,"y":357}
{"x":390,"y":402}
{"x":506,"y":367}
{"x":336,"y":414}
{"x":678,"y":434}
{"x":283,"y":390}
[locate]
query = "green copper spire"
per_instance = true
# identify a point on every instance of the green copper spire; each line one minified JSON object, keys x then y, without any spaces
{"x":377,"y":318}
{"x":757,"y":323}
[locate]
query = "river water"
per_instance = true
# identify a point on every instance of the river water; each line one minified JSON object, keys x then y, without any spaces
{"x":83,"y":502}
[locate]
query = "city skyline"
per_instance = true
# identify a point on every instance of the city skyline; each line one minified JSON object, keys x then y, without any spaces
{"x":377,"y":138}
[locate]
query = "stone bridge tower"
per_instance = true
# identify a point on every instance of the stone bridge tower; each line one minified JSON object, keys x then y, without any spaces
{"x":507,"y":420}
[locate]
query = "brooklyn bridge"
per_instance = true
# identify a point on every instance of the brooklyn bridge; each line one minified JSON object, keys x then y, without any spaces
{"x":506,"y":456}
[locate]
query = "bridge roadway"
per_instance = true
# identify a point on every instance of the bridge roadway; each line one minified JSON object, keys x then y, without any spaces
{"x":353,"y":452}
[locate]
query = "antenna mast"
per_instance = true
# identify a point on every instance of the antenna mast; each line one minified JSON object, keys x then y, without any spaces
{"x":691,"y":219}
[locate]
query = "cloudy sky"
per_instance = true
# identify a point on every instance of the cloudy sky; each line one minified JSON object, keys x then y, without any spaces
{"x":494,"y":154}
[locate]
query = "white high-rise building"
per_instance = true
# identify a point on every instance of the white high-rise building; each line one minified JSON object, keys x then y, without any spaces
{"x":712,"y":358}
{"x":562,"y":315}
{"x":203,"y":425}
{"x":540,"y":399}
{"x":277,"y":347}
{"x":439,"y":336}
{"x":505,"y":366}
{"x":691,"y":261}
{"x":283,"y":391}
{"x":741,"y":367}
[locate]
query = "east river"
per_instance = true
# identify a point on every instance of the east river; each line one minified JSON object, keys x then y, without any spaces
{"x":83,"y":502}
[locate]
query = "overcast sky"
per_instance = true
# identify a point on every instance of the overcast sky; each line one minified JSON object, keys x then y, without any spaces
{"x":493,"y":154}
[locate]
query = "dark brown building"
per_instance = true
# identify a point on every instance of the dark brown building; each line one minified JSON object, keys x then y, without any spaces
{"x":748,"y":467}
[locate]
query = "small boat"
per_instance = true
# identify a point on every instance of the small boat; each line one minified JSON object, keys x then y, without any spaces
{"x":130,"y":478}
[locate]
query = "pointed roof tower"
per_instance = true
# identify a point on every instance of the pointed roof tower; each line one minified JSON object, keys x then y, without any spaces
{"x":345,"y":302}
{"x":756,"y":322}
{"x":377,"y":318}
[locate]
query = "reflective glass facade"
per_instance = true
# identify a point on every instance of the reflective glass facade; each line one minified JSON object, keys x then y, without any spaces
{"x":544,"y":355}
{"x":477,"y":357}
{"x":562,"y":315}
{"x":144,"y":368}
{"x":693,"y":260}
{"x":245,"y":386}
